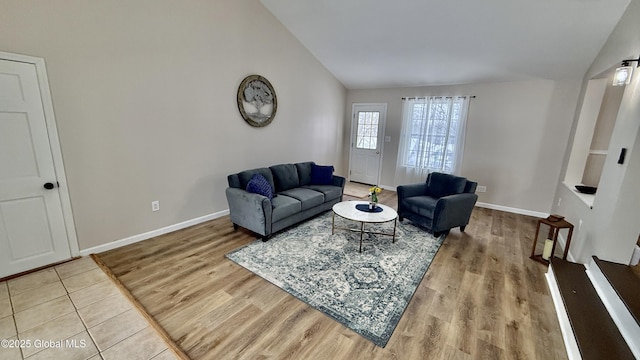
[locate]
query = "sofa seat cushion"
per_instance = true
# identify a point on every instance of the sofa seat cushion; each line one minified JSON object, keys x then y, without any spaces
{"x":307,"y":197}
{"x":421,"y":205}
{"x":283,"y":207}
{"x":330,"y":192}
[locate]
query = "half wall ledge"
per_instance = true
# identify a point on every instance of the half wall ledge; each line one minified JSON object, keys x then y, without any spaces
{"x":587,"y":199}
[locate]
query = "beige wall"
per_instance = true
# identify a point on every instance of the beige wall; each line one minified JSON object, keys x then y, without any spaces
{"x":610,"y":229}
{"x":515,"y":140}
{"x":144,"y":97}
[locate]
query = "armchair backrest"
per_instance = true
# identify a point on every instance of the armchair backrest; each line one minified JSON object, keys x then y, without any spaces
{"x":470,"y":187}
{"x":440,"y":184}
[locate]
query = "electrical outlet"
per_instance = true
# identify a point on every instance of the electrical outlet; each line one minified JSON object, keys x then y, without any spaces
{"x":481,"y":189}
{"x":580,"y":225}
{"x":559,"y":201}
{"x":155,"y":205}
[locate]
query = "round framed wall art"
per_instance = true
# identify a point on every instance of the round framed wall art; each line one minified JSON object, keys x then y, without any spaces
{"x":257,"y":101}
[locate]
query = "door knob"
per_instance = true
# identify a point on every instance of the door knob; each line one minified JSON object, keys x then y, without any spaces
{"x":49,"y":186}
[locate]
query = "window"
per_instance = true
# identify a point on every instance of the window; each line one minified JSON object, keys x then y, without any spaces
{"x":434,"y":125}
{"x":432,"y":134}
{"x":367,"y":135}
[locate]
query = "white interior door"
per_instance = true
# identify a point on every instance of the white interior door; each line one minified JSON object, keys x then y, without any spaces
{"x":366,"y":142}
{"x":32,"y":224}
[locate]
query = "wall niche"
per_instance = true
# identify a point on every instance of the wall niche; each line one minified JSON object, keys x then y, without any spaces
{"x":597,"y":119}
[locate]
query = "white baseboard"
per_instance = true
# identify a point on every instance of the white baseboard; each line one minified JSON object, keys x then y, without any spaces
{"x":512,"y":210}
{"x":627,"y":325}
{"x":570,"y":343}
{"x":167,"y":229}
{"x":561,"y":240}
{"x":148,"y":235}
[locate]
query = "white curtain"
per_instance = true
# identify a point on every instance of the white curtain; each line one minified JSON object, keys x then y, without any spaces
{"x":432,"y":137}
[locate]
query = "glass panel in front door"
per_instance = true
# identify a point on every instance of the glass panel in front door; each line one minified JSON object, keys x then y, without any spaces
{"x":367,"y":133}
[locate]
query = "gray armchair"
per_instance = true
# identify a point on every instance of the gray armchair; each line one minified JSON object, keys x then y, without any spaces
{"x":441,"y":203}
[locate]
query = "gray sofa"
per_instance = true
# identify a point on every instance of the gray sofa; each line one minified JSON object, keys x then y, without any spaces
{"x":298,"y":196}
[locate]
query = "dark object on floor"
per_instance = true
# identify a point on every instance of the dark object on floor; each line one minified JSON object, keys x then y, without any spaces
{"x":586,"y":189}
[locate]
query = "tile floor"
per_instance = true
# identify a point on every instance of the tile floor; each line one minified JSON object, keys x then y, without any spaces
{"x":73,"y":311}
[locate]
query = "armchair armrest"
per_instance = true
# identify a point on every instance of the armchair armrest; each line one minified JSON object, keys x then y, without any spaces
{"x":405,"y":191}
{"x":249,"y":210}
{"x":453,"y":210}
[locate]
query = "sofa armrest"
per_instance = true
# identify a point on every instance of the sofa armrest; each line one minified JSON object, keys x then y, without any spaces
{"x":249,"y":210}
{"x":453,"y":210}
{"x":405,"y":191}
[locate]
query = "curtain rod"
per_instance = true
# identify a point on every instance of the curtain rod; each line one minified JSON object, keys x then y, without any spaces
{"x":437,"y":97}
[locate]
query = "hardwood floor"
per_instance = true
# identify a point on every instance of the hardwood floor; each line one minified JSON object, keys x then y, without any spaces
{"x":482,"y":298}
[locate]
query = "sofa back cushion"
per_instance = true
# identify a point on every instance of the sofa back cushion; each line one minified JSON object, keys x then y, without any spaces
{"x":241,"y":179}
{"x":304,"y":172}
{"x":285,"y":177}
{"x":439,"y":184}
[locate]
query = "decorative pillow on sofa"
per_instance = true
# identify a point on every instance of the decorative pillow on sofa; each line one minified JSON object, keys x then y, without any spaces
{"x":321,"y":175}
{"x":258,"y":184}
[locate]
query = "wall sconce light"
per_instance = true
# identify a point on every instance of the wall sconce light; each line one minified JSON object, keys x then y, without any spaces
{"x":623,"y":73}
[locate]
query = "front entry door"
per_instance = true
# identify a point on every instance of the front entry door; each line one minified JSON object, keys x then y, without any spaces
{"x":366,"y":142}
{"x":32,"y":226}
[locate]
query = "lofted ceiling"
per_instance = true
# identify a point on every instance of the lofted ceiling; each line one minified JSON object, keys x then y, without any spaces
{"x":382,"y":43}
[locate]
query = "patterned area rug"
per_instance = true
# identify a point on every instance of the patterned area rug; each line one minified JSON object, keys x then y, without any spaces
{"x":366,"y":292}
